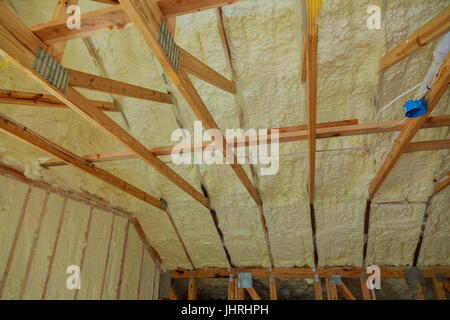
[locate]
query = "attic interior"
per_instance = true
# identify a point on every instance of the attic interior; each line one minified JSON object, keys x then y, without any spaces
{"x":91,"y":188}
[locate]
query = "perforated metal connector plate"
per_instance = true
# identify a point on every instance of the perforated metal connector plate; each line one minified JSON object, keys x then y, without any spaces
{"x":164,"y":285}
{"x":245,"y":280}
{"x":335,"y":279}
{"x":414,"y":276}
{"x":51,"y":70}
{"x":168,"y":44}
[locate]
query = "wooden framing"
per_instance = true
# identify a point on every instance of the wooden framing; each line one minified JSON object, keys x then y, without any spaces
{"x":231,"y":289}
{"x":90,"y":81}
{"x":45,"y":100}
{"x":365,"y":291}
{"x":273,"y":288}
{"x":192,"y":289}
{"x":173,"y":8}
{"x":436,"y":27}
{"x":304,"y":273}
{"x":312,"y":14}
{"x":151,"y":251}
{"x":140,"y":272}
{"x":412,"y":126}
{"x":239,"y":292}
{"x":11,"y":45}
{"x":253,"y":294}
{"x":318,"y":289}
{"x":223,"y":37}
{"x":147,"y":17}
{"x":94,"y":22}
{"x":439,"y":289}
{"x":441,"y":185}
{"x":331,"y":290}
{"x":200,"y":70}
{"x":286,"y":135}
{"x":346,"y":292}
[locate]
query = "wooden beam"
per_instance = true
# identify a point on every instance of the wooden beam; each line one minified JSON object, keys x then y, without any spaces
{"x":57,"y":49}
{"x":331,"y":290}
{"x":231,"y":289}
{"x":312,"y":14}
{"x":303,"y":273}
{"x":11,"y":47}
{"x":346,"y":292}
{"x":147,"y":18}
{"x":94,"y":22}
{"x":223,"y":37}
{"x":44,"y":100}
{"x":436,"y":27}
{"x":36,"y":140}
{"x":172,"y":8}
{"x":427,"y":146}
{"x":202,"y":71}
{"x":318,"y":289}
{"x":167,"y":150}
{"x":89,"y":81}
{"x":86,"y":241}
{"x":412,"y":126}
{"x":253,"y":294}
{"x":111,"y":229}
{"x":441,"y":185}
{"x":192,"y":289}
{"x":439,"y":290}
{"x":365,"y":291}
{"x":152,"y":251}
{"x":112,"y":2}
{"x":172,"y":294}
{"x":239,"y":292}
{"x":420,"y":295}
{"x":273,"y":288}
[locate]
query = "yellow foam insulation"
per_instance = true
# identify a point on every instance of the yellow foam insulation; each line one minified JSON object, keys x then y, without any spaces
{"x":115,"y":259}
{"x":11,"y":204}
{"x":132,"y":266}
{"x":44,"y":248}
{"x":24,"y":245}
{"x":95,"y":255}
{"x":147,"y":278}
{"x":264,"y":42}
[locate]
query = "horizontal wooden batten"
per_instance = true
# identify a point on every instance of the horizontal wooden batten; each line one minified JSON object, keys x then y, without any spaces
{"x":287,"y":134}
{"x":90,"y":81}
{"x":173,"y":8}
{"x":300,"y":273}
{"x":44,"y":100}
{"x":94,"y":22}
{"x":115,"y":18}
{"x":200,"y":70}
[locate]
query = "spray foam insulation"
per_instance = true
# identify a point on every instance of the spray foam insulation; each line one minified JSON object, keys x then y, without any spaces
{"x":264,"y":40}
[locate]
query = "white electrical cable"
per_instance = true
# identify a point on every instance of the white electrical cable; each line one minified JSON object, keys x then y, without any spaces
{"x":391,"y":103}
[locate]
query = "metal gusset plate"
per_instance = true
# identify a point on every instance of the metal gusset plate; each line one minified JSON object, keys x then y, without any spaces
{"x":168,"y":44}
{"x":335,"y":279}
{"x":414,"y":276}
{"x":245,"y":280}
{"x":51,"y":70}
